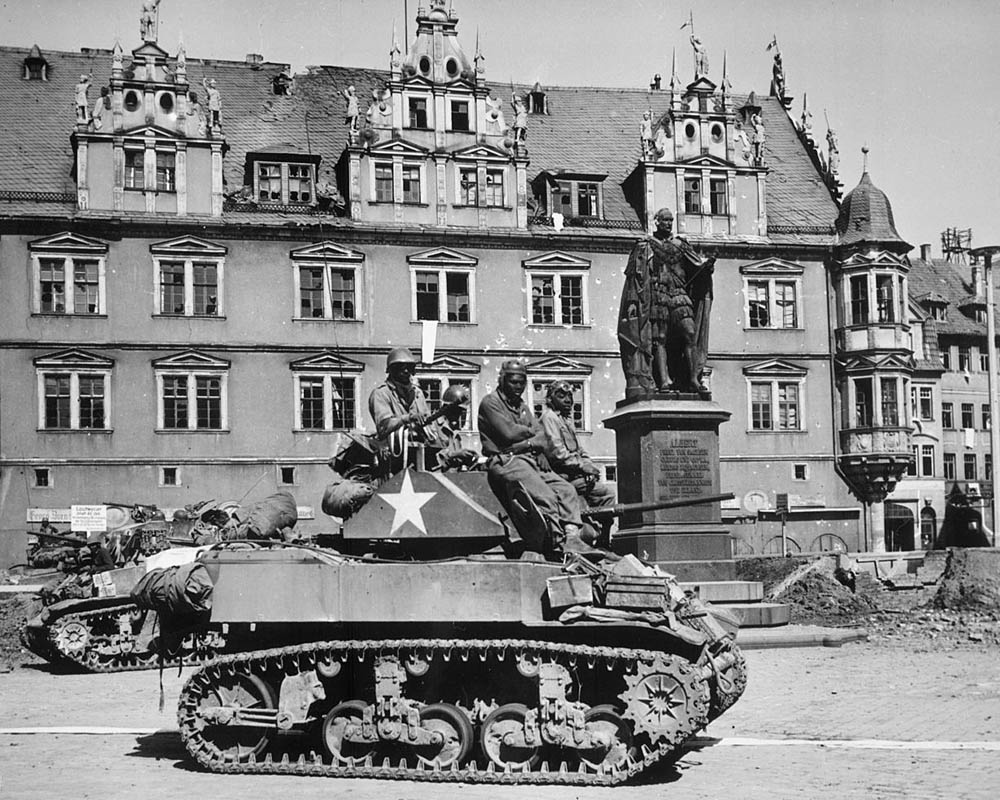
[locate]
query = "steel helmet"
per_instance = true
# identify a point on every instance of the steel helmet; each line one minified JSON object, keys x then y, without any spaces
{"x":456,"y":394}
{"x":513,"y":366}
{"x":399,"y":355}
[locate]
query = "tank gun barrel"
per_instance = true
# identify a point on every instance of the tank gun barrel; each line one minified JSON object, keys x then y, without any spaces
{"x":618,"y":509}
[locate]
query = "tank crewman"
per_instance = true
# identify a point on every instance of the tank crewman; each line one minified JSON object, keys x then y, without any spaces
{"x":399,"y":403}
{"x":567,"y":457}
{"x":514,"y":444}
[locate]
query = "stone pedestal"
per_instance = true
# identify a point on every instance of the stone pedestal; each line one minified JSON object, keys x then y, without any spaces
{"x":668,"y":449}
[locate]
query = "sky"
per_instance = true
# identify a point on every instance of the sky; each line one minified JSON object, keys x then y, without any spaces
{"x":916,"y":81}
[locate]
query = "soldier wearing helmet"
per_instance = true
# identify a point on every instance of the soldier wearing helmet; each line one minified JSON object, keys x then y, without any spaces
{"x":399,"y":403}
{"x":567,"y":457}
{"x":514,"y":443}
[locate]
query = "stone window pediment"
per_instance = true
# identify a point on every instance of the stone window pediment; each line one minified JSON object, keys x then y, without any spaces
{"x":191,"y":360}
{"x":74,"y":359}
{"x":188,"y":246}
{"x":556,"y":260}
{"x":442,"y":257}
{"x":326,"y":251}
{"x":327,"y":362}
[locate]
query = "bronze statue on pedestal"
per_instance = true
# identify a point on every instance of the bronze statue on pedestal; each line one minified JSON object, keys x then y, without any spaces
{"x":664,"y":316}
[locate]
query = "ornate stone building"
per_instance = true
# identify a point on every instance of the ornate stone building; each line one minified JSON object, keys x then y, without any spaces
{"x":204,"y":269}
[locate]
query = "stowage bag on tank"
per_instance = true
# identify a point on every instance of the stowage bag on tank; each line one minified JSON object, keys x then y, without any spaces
{"x":265,"y":518}
{"x":179,"y":590}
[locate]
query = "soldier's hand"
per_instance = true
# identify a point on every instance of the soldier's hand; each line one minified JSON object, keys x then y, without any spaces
{"x":416,"y":418}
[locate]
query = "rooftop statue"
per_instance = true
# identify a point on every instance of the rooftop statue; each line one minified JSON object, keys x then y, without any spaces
{"x":214,"y":101}
{"x":664,"y":316}
{"x":700,"y":58}
{"x":351,"y":115}
{"x":646,"y":135}
{"x":149,"y":20}
{"x":831,"y":143}
{"x":759,"y":136}
{"x":82,"y":103}
{"x":520,"y":118}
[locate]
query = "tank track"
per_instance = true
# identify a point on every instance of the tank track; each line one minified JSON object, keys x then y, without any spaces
{"x":645,"y":683}
{"x":106,"y":640}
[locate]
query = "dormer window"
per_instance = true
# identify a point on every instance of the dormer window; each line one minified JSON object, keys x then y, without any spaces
{"x":460,"y":115}
{"x":36,"y":68}
{"x":537,"y":103}
{"x":939,"y":312}
{"x":283,"y":180}
{"x":574,"y":195}
{"x":418,"y":112}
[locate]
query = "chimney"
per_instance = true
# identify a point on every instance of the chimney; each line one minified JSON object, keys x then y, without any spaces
{"x":978,"y":287}
{"x":254,"y":60}
{"x":655,"y":83}
{"x":925,"y":252}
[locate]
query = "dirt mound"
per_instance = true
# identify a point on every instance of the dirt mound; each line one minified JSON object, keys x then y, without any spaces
{"x":971,"y":581}
{"x":769,"y":571}
{"x":817,"y":598}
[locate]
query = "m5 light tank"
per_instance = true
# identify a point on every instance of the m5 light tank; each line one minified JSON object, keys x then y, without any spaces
{"x":437,"y":652}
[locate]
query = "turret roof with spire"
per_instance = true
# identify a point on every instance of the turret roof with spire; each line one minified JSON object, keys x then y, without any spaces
{"x":866,"y":217}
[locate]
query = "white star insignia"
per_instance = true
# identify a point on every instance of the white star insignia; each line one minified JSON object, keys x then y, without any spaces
{"x":407,"y":504}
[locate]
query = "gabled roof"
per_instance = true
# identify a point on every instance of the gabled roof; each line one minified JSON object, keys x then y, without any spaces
{"x":947,"y":283}
{"x":587,"y":130}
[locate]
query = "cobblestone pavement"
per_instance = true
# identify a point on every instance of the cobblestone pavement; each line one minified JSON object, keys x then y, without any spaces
{"x":884,"y":720}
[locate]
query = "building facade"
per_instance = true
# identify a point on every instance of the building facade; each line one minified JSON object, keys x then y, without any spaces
{"x":204,"y":269}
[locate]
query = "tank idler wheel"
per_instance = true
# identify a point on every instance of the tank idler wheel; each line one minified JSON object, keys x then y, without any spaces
{"x":502,"y":739}
{"x":344,"y":751}
{"x":457,"y":736}
{"x":236,"y":743}
{"x":608,"y":725}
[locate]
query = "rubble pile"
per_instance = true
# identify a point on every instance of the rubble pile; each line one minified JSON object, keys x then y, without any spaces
{"x":15,"y":611}
{"x":971,"y":581}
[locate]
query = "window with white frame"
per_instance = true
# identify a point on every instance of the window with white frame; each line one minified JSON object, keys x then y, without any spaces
{"x":135,"y":168}
{"x":875,"y":298}
{"x":556,"y":286}
{"x":772,"y":290}
{"x":327,"y":278}
{"x":468,"y":186}
{"x":922,"y":402}
{"x":459,"y":115}
{"x":284,"y":182}
{"x":927,"y":460}
{"x":494,"y":194}
{"x":411,"y":183}
{"x":772,"y":303}
{"x":383,"y":182}
{"x":73,"y":400}
{"x":876,"y":401}
{"x":325,"y":401}
{"x":188,"y":278}
{"x":557,"y":298}
{"x":192,"y":392}
{"x":950,"y":470}
{"x":192,"y":401}
{"x":166,"y":172}
{"x":442,"y":286}
{"x":73,"y":391}
{"x":69,"y":275}
{"x":775,"y":405}
{"x":539,"y":385}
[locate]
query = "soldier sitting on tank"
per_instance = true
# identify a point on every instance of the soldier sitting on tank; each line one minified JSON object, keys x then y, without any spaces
{"x":398,"y":405}
{"x":514,"y":444}
{"x":568,"y":458}
{"x":402,"y":417}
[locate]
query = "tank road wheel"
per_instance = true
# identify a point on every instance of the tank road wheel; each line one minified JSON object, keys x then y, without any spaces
{"x":72,"y":637}
{"x":665,"y":699}
{"x":605,"y":722}
{"x":456,"y":732}
{"x":236,"y":743}
{"x":502,"y":738}
{"x":335,"y":727}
